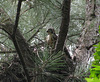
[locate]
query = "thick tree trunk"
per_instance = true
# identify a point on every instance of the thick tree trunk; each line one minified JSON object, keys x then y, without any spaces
{"x":88,"y":38}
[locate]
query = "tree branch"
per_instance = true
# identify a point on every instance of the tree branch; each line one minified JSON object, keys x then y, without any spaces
{"x":64,"y":25}
{"x":88,"y":47}
{"x":21,"y":59}
{"x":3,"y":52}
{"x":16,"y":43}
{"x":37,"y":31}
{"x":17,"y":17}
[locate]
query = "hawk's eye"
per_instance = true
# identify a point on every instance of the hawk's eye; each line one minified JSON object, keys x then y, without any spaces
{"x":51,"y":31}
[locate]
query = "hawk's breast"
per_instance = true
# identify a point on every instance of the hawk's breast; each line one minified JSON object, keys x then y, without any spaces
{"x":49,"y":39}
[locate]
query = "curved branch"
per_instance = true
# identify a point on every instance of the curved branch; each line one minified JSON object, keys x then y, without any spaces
{"x":64,"y":25}
{"x":17,"y":17}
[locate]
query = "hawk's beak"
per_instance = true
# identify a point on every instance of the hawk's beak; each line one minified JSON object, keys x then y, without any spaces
{"x":47,"y":31}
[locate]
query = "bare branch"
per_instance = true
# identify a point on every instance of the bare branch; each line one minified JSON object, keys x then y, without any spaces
{"x":39,"y":39}
{"x":72,"y":35}
{"x":3,"y":52}
{"x":55,"y":5}
{"x":16,"y":43}
{"x":88,"y":47}
{"x":17,"y":17}
{"x":64,"y":25}
{"x":26,"y":11}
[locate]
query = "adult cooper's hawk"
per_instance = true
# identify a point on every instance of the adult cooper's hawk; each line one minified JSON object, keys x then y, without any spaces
{"x":51,"y":41}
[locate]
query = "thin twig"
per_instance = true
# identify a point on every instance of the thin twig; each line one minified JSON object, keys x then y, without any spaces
{"x":3,"y":52}
{"x":77,"y":34}
{"x":40,"y":24}
{"x":6,"y":45}
{"x":55,"y":5}
{"x":36,"y":32}
{"x":5,"y":40}
{"x":58,"y":2}
{"x":26,"y":11}
{"x":3,"y":34}
{"x":39,"y":39}
{"x":88,"y":47}
{"x":6,"y":32}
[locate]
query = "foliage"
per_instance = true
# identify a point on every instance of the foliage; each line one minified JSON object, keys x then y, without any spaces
{"x":49,"y":66}
{"x":42,"y":15}
{"x":95,"y":70}
{"x":36,"y":16}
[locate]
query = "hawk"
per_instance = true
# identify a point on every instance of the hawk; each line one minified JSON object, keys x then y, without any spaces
{"x":51,"y":41}
{"x":51,"y":38}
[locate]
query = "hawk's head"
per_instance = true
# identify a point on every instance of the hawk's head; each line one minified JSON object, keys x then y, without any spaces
{"x":50,"y":31}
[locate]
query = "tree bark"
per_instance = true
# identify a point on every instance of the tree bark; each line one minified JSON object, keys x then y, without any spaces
{"x":85,"y":50}
{"x":64,"y":25}
{"x":26,"y":51}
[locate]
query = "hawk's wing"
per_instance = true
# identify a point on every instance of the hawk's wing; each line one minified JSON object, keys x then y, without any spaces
{"x":55,"y":37}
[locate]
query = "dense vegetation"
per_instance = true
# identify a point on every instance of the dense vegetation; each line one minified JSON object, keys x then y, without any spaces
{"x":26,"y":57}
